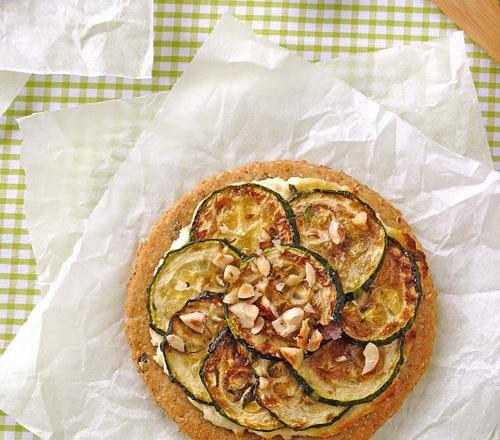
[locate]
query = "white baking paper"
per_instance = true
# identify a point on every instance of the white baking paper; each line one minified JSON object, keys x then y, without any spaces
{"x":70,"y":155}
{"x":427,"y":84}
{"x":80,"y":37}
{"x":10,"y":85}
{"x":68,"y":374}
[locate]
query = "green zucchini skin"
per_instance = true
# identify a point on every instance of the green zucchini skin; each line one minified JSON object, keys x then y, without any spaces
{"x":168,"y":254}
{"x":290,"y":215}
{"x":220,"y":339}
{"x":416,"y":278}
{"x":366,"y":284}
{"x":336,"y":314}
{"x":310,"y":391}
{"x":173,"y":378}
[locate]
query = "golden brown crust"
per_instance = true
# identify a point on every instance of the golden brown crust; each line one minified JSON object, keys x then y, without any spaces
{"x":172,"y":400}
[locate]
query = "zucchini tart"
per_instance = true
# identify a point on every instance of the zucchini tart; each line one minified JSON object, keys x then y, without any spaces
{"x":281,"y":299}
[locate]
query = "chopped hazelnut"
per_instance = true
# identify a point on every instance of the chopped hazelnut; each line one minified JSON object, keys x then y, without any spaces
{"x":256,"y":296}
{"x":303,"y":335}
{"x":334,"y":232}
{"x":176,"y":342}
{"x":231,"y":297}
{"x":222,"y":260}
{"x":231,"y":273}
{"x":360,"y":218}
{"x":268,"y":309}
{"x":279,"y":286}
{"x":371,"y":355}
{"x":194,"y":320}
{"x":289,"y":321}
{"x":308,"y":308}
{"x":246,"y":313}
{"x":246,"y":291}
{"x":219,"y":280}
{"x":314,"y":340}
{"x":258,"y":326}
{"x":263,"y":265}
{"x":310,"y":274}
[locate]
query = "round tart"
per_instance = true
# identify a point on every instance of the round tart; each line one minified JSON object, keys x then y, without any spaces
{"x":289,"y":311}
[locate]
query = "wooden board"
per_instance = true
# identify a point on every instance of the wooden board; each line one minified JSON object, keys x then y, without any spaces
{"x":480,"y":19}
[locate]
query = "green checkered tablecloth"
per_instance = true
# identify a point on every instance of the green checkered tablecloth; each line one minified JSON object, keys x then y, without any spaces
{"x":316,"y":30}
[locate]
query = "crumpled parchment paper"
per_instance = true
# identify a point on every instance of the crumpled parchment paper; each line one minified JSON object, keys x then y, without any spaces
{"x":68,"y":374}
{"x":105,"y":37}
{"x":427,"y":84}
{"x":70,"y":155}
{"x":10,"y":84}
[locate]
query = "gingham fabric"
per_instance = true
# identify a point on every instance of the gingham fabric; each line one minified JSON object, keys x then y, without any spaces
{"x":316,"y":30}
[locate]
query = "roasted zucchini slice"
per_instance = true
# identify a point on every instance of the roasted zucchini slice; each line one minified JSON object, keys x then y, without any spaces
{"x":228,"y":376}
{"x":279,"y":392}
{"x":334,"y":373}
{"x":249,"y":216}
{"x":344,"y":230}
{"x":183,"y":274}
{"x":387,"y":309}
{"x":196,"y":325}
{"x":289,"y":294}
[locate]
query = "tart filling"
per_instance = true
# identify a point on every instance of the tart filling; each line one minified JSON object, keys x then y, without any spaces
{"x":255,"y":328}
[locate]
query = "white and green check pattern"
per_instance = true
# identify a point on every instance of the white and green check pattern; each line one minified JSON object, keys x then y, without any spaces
{"x":316,"y":30}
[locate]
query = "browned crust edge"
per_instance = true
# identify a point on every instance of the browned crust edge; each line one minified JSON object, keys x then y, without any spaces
{"x":172,"y":400}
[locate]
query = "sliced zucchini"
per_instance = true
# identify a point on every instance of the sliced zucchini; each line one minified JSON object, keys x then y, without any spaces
{"x":285,"y":298}
{"x":183,"y":367}
{"x":334,"y":373}
{"x":249,"y":216}
{"x":228,"y":376}
{"x":387,"y":309}
{"x":280,"y":393}
{"x":344,"y":230}
{"x":185,"y":273}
